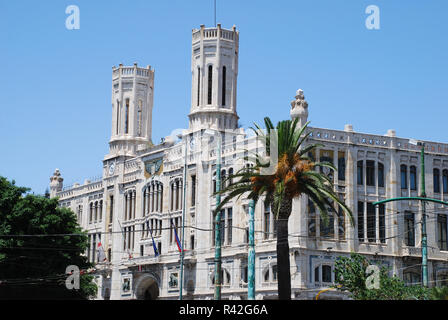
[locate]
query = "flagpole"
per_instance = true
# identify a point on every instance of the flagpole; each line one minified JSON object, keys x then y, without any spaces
{"x":183,"y":220}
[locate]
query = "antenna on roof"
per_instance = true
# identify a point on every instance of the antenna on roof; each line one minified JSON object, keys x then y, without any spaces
{"x":215,"y":10}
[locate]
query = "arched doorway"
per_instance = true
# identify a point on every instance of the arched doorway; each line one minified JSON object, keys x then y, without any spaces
{"x":147,"y":288}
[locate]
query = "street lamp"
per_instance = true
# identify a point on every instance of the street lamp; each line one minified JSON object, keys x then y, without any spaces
{"x":218,"y":260}
{"x":217,"y":294}
{"x":184,"y":205}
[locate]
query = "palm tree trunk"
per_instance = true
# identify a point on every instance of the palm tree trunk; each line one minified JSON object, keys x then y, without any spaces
{"x":283,"y":266}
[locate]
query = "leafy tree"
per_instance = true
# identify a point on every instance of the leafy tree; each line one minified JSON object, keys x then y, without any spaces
{"x":33,"y":254}
{"x":351,"y":275}
{"x":439,"y":293}
{"x":294,"y":176}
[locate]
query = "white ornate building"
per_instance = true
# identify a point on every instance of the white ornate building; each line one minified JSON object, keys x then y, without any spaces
{"x":140,"y":193}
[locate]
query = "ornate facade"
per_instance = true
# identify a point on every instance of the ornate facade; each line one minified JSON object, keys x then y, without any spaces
{"x":135,"y":209}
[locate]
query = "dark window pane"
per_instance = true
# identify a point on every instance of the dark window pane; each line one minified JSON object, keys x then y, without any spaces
{"x":371,"y":223}
{"x":360,"y":172}
{"x":370,"y":173}
{"x":380,"y":175}
{"x":361,"y":221}
{"x":404,"y":177}
{"x":436,"y":174}
{"x":413,"y":177}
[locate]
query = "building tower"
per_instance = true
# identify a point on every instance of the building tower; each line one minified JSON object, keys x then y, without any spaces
{"x":56,"y":183}
{"x":132,"y":103}
{"x":214,"y":71}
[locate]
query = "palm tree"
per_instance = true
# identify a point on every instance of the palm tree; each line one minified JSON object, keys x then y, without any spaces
{"x":294,"y":176}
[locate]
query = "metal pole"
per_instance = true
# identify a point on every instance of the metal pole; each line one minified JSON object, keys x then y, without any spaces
{"x":424,"y":235}
{"x":218,"y":224}
{"x":215,"y":11}
{"x":251,"y":255}
{"x":183,"y":221}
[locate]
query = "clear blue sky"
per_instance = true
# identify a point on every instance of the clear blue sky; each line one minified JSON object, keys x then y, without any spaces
{"x":55,"y":84}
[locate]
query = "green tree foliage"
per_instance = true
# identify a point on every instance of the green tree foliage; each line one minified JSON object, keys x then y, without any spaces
{"x":439,"y":293}
{"x":34,"y":266}
{"x":351,"y":275}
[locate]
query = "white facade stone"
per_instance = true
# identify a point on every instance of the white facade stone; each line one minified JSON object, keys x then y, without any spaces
{"x":141,"y":185}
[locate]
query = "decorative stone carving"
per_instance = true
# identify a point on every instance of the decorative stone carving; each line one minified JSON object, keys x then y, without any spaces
{"x":299,"y":108}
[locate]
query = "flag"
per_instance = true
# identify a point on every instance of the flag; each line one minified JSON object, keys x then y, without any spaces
{"x":156,"y":253}
{"x":100,"y":253}
{"x":177,"y":238}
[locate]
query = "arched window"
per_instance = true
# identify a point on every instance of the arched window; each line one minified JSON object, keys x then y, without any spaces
{"x":404,"y":176}
{"x":445,"y":181}
{"x":224,"y":86}
{"x":413,"y":177}
{"x":210,"y":83}
{"x":126,"y":119}
{"x":436,"y":176}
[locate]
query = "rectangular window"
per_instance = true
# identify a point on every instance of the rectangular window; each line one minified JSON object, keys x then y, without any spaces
{"x":327,"y":230}
{"x":341,"y":224}
{"x":229,"y":226}
{"x":111,"y":210}
{"x":445,"y":181}
{"x":404,"y":176}
{"x":409,"y":228}
{"x":360,"y":172}
{"x":311,"y":219}
{"x":370,"y":173}
{"x":126,"y":123}
{"x":382,"y":222}
{"x":94,"y":248}
{"x":89,"y":241}
{"x":142,"y":250}
{"x":360,"y":221}
{"x":199,"y":84}
{"x":436,"y":174}
{"x":267,"y":220}
{"x":413,"y":177}
{"x":380,"y":174}
{"x":441,"y":231}
{"x":341,"y":168}
{"x":193,"y":191}
{"x":223,"y":86}
{"x":210,"y":83}
{"x":371,"y":223}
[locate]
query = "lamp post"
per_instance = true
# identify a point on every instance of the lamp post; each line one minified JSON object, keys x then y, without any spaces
{"x":218,"y":261}
{"x":251,"y":255}
{"x":217,"y":293}
{"x":424,"y":234}
{"x":184,"y":204}
{"x":423,"y":201}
